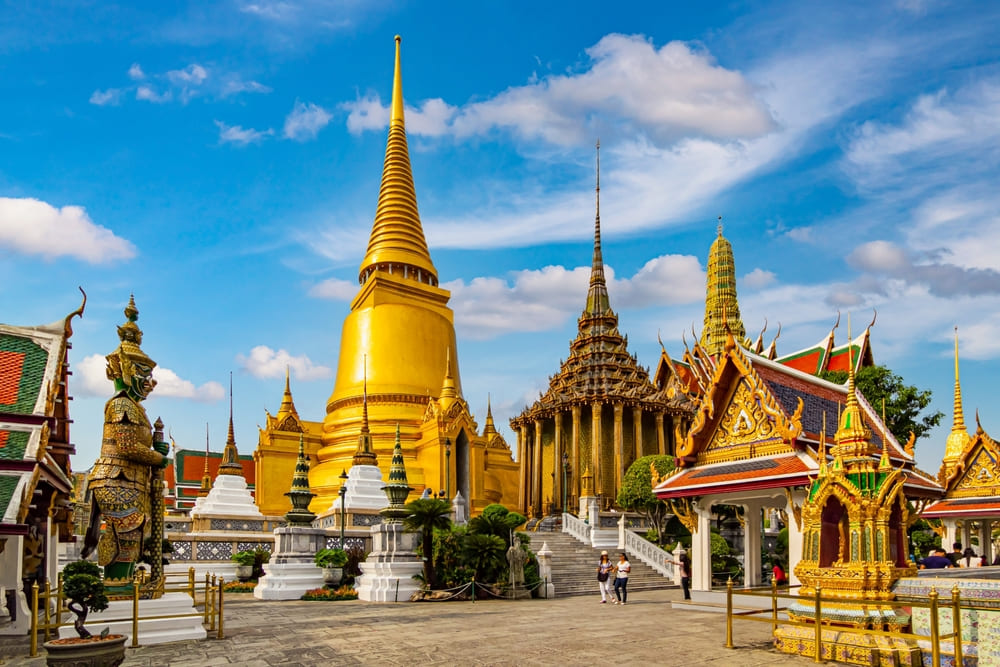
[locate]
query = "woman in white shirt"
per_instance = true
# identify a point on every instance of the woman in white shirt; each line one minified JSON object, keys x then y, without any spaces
{"x":622,"y":568}
{"x":969,"y":559}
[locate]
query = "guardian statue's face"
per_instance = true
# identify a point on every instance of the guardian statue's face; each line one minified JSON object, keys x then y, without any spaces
{"x":141,"y":383}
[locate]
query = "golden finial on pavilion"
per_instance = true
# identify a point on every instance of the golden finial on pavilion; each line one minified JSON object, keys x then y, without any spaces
{"x":230,"y":456}
{"x":853,"y":436}
{"x":365,"y":454}
{"x":206,"y":478}
{"x":449,"y":392}
{"x":598,"y":302}
{"x":822,"y":447}
{"x":959,"y":437}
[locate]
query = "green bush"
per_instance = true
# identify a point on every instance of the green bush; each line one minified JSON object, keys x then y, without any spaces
{"x":244,"y":558}
{"x":331,"y":558}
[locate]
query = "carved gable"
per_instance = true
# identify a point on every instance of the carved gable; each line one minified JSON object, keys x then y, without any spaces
{"x":981,"y":476}
{"x":747,"y":428}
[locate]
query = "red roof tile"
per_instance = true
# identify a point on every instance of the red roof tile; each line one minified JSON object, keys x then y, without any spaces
{"x":760,"y":473}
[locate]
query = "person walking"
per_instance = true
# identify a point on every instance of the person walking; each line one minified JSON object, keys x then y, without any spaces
{"x":685,"y":565}
{"x":604,"y":569}
{"x":622,"y":568}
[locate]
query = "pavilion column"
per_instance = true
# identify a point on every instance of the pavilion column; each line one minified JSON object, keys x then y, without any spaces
{"x":661,"y":445}
{"x":798,"y":496}
{"x":984,"y":541}
{"x":966,"y":534}
{"x":751,"y":545}
{"x":950,"y":535}
{"x":640,"y":446}
{"x":701,"y":548}
{"x":574,"y":452}
{"x":595,"y":459}
{"x":524,"y":493}
{"x":557,"y":466}
{"x":619,"y":441}
{"x":536,"y":501}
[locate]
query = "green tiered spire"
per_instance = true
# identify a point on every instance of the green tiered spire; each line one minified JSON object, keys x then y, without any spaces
{"x":300,"y":495}
{"x":398,"y":488}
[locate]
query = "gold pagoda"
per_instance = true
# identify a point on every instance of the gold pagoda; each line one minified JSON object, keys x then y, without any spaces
{"x":401,"y":324}
{"x":601,"y":410}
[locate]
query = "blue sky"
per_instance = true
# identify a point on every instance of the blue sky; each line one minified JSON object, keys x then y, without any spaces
{"x":222,"y":162}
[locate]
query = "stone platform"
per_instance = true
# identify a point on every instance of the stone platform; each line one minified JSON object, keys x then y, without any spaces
{"x":151,"y":631}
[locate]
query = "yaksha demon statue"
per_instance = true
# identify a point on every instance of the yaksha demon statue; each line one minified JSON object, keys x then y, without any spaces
{"x":122,"y":478}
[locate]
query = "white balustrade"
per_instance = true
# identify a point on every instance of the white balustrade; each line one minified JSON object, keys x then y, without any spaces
{"x":650,"y":554}
{"x":576,"y":527}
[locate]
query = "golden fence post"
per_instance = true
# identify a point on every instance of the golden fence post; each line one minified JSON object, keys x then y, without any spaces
{"x":191,"y":583}
{"x":818,"y":620}
{"x":211,"y":592}
{"x":59,"y":600}
{"x":47,"y":614}
{"x":207,"y":580}
{"x":33,"y":652}
{"x":935,"y":634}
{"x":956,"y":624}
{"x":135,"y":612}
{"x":774,"y":605}
{"x":221,"y":605}
{"x":729,"y":613}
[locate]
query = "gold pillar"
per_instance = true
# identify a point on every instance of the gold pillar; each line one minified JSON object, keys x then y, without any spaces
{"x":574,"y":453}
{"x":595,"y":437}
{"x":536,"y":500}
{"x":661,"y":445}
{"x":640,"y":446}
{"x":524,"y":492}
{"x":557,"y":466}
{"x":619,"y":441}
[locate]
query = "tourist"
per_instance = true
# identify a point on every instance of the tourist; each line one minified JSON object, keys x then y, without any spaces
{"x":622,"y":568}
{"x":604,"y":569}
{"x":778,"y":574}
{"x":970,"y":559}
{"x":936,"y":560}
{"x":685,"y":564}
{"x":956,"y":553}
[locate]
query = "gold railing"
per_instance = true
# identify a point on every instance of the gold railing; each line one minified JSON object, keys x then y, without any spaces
{"x":49,"y":606}
{"x":818,"y":622}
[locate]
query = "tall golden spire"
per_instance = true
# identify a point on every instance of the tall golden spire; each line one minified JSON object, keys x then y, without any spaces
{"x":206,"y":479}
{"x":230,"y":457}
{"x":365,"y":456}
{"x":597,"y":296}
{"x":853,"y":438}
{"x":449,"y":393}
{"x":722,"y":308}
{"x":490,"y":427}
{"x":287,"y":405}
{"x":397,"y":242}
{"x":959,"y":436}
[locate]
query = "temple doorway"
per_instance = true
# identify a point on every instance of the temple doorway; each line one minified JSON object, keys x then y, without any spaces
{"x":462,"y":464}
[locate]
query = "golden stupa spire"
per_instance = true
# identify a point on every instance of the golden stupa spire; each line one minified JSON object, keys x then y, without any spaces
{"x":722,"y":308}
{"x":230,"y":456}
{"x":490,"y":427}
{"x":397,"y":244}
{"x":287,"y":404}
{"x":597,"y":297}
{"x":365,"y":455}
{"x":206,"y":478}
{"x":853,"y":435}
{"x":959,"y":436}
{"x":449,"y":393}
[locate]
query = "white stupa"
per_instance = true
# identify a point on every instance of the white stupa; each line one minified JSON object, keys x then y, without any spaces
{"x":230,"y":496}
{"x":363,"y":487}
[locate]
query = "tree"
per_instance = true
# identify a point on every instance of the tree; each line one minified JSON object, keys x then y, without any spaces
{"x":426,"y":514}
{"x":496,"y":520}
{"x":903,"y":402}
{"x":484,"y":554}
{"x":636,"y":492}
{"x":83,"y":587}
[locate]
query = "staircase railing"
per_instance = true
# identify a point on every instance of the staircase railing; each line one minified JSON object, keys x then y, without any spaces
{"x":576,"y":527}
{"x":659,"y":559}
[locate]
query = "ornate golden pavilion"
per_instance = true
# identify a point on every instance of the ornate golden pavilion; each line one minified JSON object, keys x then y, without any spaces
{"x":601,"y":409}
{"x":400,"y":335}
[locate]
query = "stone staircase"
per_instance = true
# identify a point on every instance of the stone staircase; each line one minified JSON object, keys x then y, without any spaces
{"x":574,"y":567}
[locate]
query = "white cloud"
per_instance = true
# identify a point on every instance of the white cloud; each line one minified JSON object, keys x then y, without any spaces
{"x":235,"y":85}
{"x":628,"y":85}
{"x":758,"y":279}
{"x":111,"y":96}
{"x":305,"y":121}
{"x":35,"y":227}
{"x":235,"y":134}
{"x":264,"y":362}
{"x":193,"y":75}
{"x":335,"y":289}
{"x":135,"y":72}
{"x":148,"y":94}
{"x":94,"y":382}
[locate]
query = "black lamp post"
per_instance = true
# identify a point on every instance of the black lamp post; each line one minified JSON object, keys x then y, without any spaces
{"x":447,"y":467}
{"x":565,"y":458}
{"x":343,"y":508}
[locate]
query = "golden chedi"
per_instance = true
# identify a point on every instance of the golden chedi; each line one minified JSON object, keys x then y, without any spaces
{"x":401,"y":324}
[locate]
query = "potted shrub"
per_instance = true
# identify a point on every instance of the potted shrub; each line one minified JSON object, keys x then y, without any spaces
{"x":83,"y":588}
{"x":332,"y":561}
{"x":244,"y":564}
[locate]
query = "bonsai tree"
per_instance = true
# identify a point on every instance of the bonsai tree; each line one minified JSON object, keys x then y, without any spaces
{"x":244,"y":558}
{"x":84,"y":589}
{"x":326,"y":558}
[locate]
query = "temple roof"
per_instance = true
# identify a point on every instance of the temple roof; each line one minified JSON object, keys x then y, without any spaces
{"x":397,"y":236}
{"x":599,"y":366}
{"x":793,"y":469}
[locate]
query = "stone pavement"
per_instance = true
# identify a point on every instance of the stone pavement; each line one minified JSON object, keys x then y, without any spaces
{"x":563,"y":631}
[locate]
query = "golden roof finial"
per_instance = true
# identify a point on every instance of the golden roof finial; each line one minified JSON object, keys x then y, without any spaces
{"x":853,"y":436}
{"x":397,"y":241}
{"x":490,"y":427}
{"x":365,"y":454}
{"x":822,"y":447}
{"x":598,"y":302}
{"x":230,"y":456}
{"x":449,"y":392}
{"x":287,"y":404}
{"x":206,"y":479}
{"x":959,"y":436}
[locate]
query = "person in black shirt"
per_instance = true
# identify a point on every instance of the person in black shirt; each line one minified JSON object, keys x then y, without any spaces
{"x":956,"y":553}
